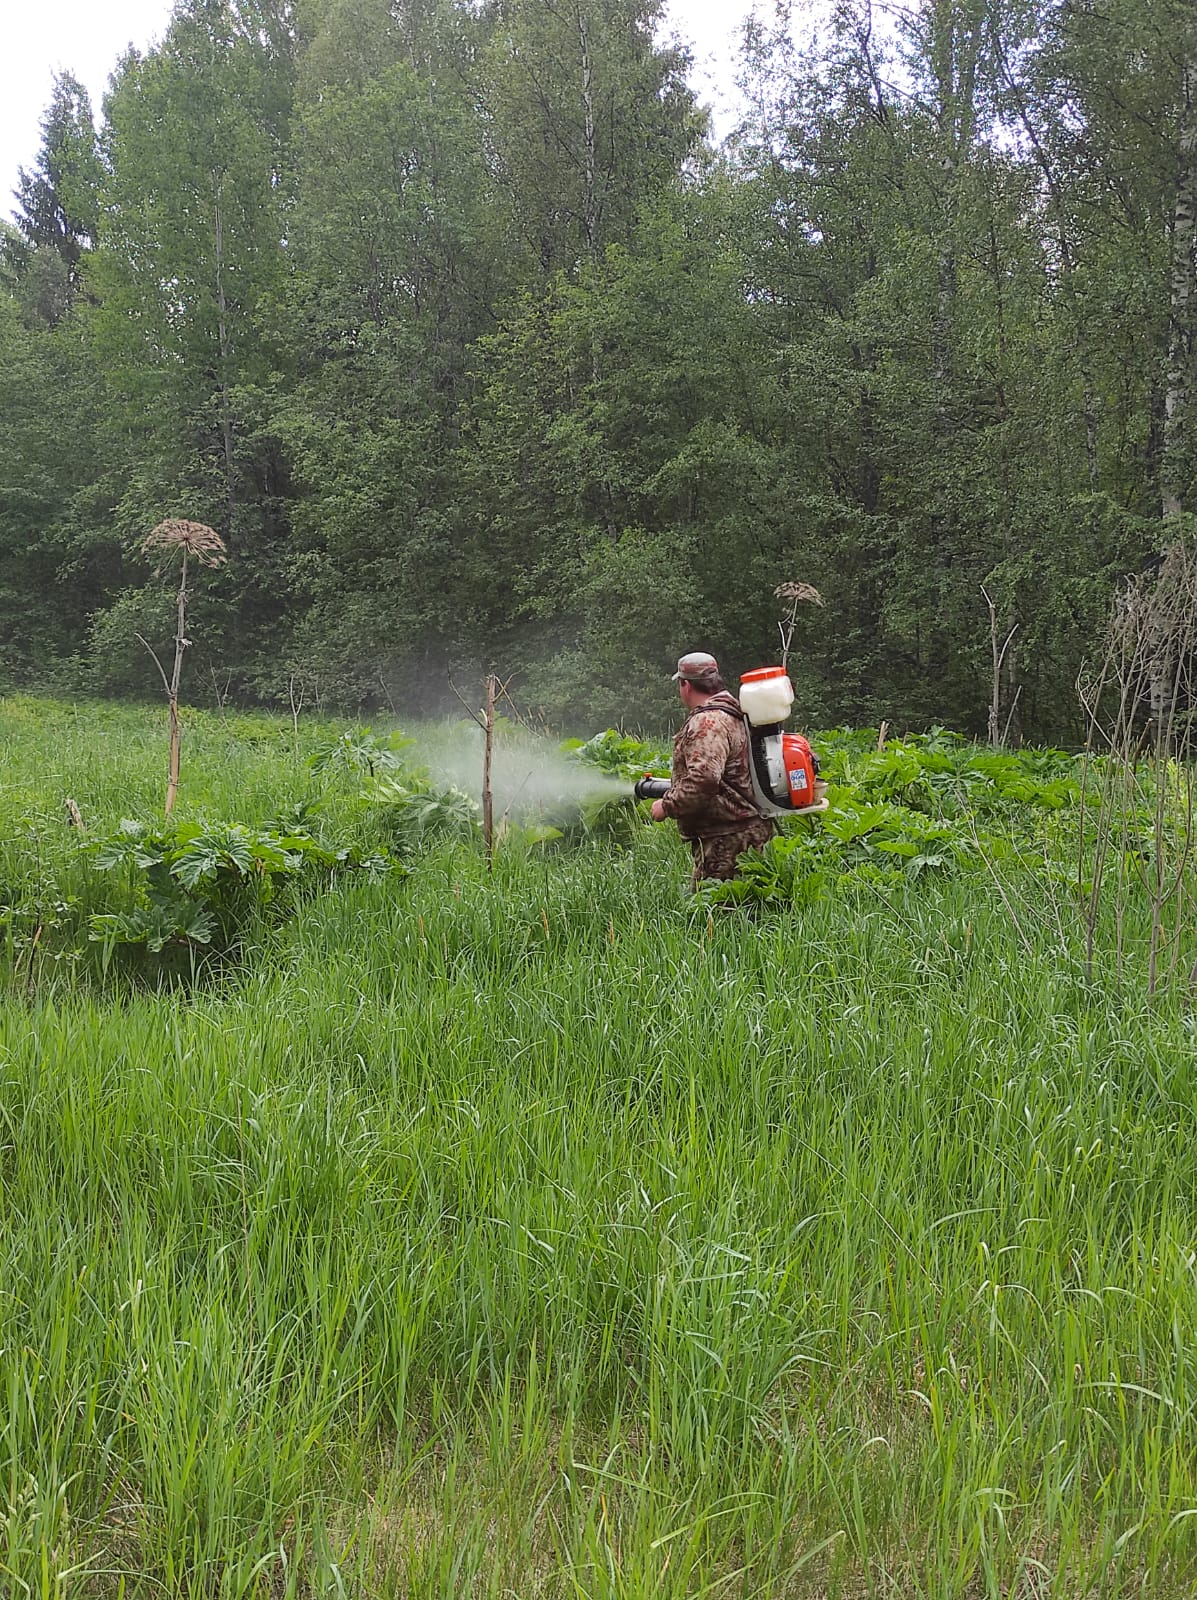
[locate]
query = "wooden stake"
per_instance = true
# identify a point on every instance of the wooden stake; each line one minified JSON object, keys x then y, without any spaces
{"x":488,"y":804}
{"x":487,"y":723}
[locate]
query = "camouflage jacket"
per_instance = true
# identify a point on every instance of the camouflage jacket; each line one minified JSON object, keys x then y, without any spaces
{"x":710,"y":791}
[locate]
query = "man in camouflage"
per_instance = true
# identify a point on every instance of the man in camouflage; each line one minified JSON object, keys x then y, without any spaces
{"x":710,"y":792}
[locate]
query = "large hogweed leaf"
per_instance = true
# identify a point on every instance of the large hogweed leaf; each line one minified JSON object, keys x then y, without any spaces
{"x":198,"y":887}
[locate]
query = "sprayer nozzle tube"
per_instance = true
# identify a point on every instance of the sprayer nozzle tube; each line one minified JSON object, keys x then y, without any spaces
{"x":650,"y":788}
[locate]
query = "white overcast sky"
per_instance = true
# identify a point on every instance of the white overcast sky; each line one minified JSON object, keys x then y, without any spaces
{"x":41,"y":37}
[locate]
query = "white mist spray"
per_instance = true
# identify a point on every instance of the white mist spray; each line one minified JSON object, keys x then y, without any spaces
{"x":530,"y":776}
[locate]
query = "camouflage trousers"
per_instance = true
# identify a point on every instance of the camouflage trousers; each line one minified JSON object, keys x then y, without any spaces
{"x":718,"y":856}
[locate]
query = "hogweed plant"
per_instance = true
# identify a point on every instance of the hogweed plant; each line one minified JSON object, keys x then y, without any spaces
{"x":797,"y":594}
{"x":175,"y":540}
{"x":542,"y":1232}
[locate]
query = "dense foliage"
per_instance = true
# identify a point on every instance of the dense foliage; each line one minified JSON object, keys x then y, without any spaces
{"x":454,"y":323}
{"x":178,"y":897}
{"x":541,"y":1232}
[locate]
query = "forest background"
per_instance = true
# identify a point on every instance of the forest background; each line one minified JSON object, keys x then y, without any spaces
{"x":478,"y":349}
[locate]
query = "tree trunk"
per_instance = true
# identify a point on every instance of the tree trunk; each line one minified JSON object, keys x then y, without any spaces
{"x":1052,"y":184}
{"x":1178,"y":395}
{"x":222,"y":339}
{"x":1180,"y":330}
{"x":589,"y":206}
{"x":953,"y":47}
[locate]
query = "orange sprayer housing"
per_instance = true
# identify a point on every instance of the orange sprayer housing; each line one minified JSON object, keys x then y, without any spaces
{"x":799,"y":761}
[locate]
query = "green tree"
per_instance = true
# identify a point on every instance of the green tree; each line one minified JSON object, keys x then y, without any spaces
{"x":908,"y":258}
{"x":621,"y":461}
{"x":585,"y":116}
{"x":57,"y":206}
{"x":398,"y":257}
{"x":190,"y":250}
{"x":54,"y":559}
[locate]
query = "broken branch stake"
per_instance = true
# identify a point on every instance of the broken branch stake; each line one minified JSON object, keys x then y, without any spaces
{"x":488,"y":802}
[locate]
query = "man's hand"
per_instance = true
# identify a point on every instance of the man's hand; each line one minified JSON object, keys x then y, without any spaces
{"x":657,"y":811}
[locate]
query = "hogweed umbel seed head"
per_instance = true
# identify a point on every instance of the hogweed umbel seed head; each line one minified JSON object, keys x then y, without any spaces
{"x":178,"y":536}
{"x":799,"y":591}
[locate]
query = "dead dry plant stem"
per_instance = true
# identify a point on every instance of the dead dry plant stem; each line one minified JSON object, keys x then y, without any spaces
{"x":1137,"y":824}
{"x":179,"y":537}
{"x":1015,"y":919}
{"x":998,"y":735}
{"x":1041,"y":907}
{"x":469,"y":710}
{"x":297,"y":692}
{"x":797,"y":594}
{"x":488,"y":799}
{"x":523,"y":718}
{"x":1013,"y":711}
{"x":31,"y":976}
{"x":486,"y":721}
{"x":181,"y":643}
{"x":222,"y":695}
{"x":171,"y":687}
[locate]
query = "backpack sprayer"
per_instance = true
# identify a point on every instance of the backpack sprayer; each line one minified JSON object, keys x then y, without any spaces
{"x":783,"y":767}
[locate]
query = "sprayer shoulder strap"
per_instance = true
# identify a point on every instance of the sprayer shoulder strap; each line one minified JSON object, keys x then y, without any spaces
{"x":728,"y":711}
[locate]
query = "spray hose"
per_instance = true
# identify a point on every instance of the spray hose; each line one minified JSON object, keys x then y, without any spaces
{"x":650,"y":788}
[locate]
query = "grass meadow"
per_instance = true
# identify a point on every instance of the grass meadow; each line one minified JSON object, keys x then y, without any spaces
{"x":542,"y":1234}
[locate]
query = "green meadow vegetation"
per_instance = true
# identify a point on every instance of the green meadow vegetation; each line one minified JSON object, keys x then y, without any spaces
{"x":374,"y":1225}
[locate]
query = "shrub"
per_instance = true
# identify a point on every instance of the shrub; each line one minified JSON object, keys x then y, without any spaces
{"x":192,"y":891}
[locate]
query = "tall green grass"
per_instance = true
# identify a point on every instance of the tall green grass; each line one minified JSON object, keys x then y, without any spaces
{"x":538,"y":1234}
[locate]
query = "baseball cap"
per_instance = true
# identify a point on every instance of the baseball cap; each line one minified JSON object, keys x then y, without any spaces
{"x":696,"y":666}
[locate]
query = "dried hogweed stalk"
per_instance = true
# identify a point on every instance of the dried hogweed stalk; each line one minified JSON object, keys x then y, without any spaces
{"x":178,"y":536}
{"x":795,"y":593}
{"x":799,"y":592}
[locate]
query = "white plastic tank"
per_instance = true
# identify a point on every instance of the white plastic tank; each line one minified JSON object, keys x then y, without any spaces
{"x":766,"y":696}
